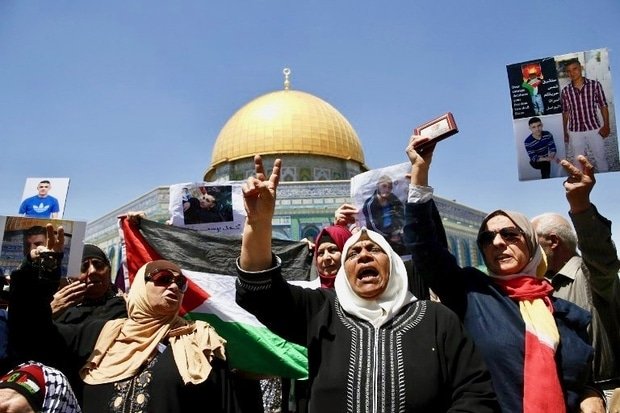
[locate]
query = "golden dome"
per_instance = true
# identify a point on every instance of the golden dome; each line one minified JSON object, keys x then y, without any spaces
{"x":286,"y":122}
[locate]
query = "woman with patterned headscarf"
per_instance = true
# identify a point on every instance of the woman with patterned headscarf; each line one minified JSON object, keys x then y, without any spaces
{"x":153,"y":360}
{"x":34,"y":387}
{"x":534,"y":344}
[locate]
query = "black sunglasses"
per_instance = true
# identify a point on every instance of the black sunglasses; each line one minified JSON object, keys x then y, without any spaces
{"x":96,"y":263}
{"x":163,"y":278}
{"x":508,"y":234}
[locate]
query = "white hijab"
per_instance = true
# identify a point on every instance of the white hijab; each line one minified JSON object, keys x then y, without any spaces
{"x":396,"y":295}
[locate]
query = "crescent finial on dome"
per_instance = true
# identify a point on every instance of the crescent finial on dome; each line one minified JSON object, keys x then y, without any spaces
{"x":287,"y":82}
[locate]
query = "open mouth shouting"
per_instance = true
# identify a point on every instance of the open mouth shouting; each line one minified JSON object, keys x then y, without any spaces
{"x":368,"y":274}
{"x":367,"y":268}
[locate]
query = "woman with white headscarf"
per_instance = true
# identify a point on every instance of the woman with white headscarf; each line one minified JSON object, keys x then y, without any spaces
{"x":534,"y":344}
{"x":372,"y":346}
{"x":153,"y":360}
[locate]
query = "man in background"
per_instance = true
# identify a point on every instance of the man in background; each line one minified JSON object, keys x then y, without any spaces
{"x":41,"y":205}
{"x":590,"y":280}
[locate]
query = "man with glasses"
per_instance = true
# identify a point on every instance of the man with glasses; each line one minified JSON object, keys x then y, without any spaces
{"x":41,"y":205}
{"x":590,"y":280}
{"x":91,"y":294}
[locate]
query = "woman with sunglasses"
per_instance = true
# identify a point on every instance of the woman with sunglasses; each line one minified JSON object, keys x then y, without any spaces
{"x":534,"y":344}
{"x":153,"y":360}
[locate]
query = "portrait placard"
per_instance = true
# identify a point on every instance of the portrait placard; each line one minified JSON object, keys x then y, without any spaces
{"x":208,"y":206}
{"x":563,"y":106}
{"x":20,"y":234}
{"x":380,"y":195}
{"x":44,"y":197}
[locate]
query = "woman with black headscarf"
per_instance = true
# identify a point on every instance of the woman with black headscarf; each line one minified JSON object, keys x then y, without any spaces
{"x":153,"y":360}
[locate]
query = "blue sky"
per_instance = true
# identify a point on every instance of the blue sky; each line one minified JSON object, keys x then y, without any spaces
{"x":122,"y":97}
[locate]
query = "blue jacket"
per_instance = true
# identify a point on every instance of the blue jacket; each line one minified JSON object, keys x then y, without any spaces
{"x":493,"y":319}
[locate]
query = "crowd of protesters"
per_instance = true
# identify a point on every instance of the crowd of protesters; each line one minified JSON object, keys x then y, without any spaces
{"x":538,"y":330}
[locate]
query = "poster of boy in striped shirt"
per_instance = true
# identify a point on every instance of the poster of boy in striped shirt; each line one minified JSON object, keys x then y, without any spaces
{"x":575,"y":91}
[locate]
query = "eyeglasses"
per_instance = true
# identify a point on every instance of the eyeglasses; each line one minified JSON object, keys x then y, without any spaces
{"x":96,"y":263}
{"x":508,"y":234}
{"x":163,"y":278}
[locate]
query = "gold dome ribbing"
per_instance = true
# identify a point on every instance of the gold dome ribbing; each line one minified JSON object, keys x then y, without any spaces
{"x":286,"y":122}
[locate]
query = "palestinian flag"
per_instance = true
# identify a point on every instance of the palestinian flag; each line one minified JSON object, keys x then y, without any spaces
{"x":209,"y":263}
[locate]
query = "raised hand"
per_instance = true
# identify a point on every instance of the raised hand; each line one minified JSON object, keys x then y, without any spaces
{"x":420,"y":161}
{"x":422,"y":156}
{"x":259,"y":192}
{"x":259,"y":197}
{"x":579,"y":184}
{"x":345,"y":215}
{"x":55,"y":239}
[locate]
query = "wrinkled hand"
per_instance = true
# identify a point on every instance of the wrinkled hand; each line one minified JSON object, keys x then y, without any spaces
{"x":311,"y":245}
{"x":136,"y":216}
{"x":259,"y":192}
{"x":579,"y":184}
{"x":66,"y":297}
{"x":420,"y":161}
{"x":345,"y":215}
{"x":593,"y":403}
{"x":419,"y":158}
{"x":13,"y":402}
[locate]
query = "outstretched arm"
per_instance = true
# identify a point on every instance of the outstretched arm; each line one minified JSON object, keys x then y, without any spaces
{"x":593,"y":230}
{"x":420,"y":161}
{"x":259,"y":197}
{"x":425,"y":236}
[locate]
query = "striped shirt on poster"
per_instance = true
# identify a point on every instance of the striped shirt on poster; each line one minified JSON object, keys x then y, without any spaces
{"x":582,"y":104}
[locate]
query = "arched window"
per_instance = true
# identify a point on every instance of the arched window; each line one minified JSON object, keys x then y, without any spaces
{"x":310,"y":232}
